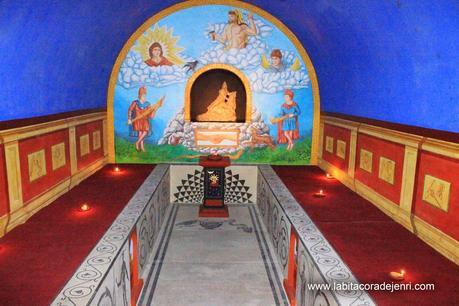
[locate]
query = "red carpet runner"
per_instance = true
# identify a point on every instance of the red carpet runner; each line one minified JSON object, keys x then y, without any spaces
{"x":38,"y":257}
{"x":371,"y":243}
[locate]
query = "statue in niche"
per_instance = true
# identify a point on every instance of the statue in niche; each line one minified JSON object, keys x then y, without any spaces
{"x":237,"y":32}
{"x":223,"y":108}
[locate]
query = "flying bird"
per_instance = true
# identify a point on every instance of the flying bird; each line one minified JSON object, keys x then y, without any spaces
{"x":191,"y":66}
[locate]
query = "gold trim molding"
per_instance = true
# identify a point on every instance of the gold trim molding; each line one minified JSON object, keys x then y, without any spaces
{"x":191,"y":3}
{"x":19,"y":211}
{"x":441,"y":242}
{"x":391,"y":135}
{"x":22,"y":214}
{"x":209,"y":67}
{"x":402,"y":213}
{"x":375,"y":131}
{"x":352,"y":153}
{"x":13,"y":175}
{"x":48,"y":127}
{"x":346,"y":124}
{"x":440,"y":147}
{"x":73,"y":150}
{"x":446,"y":245}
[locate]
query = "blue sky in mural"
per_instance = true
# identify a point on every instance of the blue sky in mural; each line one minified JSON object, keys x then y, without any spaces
{"x":185,"y":22}
{"x":194,"y":38}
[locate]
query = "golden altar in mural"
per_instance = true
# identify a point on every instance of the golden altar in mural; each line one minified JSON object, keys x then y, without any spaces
{"x":224,"y":95}
{"x":223,"y":108}
{"x":217,"y":99}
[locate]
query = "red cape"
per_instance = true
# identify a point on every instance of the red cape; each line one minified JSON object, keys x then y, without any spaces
{"x":163,"y":62}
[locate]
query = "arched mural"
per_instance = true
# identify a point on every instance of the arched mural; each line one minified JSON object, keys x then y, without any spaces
{"x":225,"y":78}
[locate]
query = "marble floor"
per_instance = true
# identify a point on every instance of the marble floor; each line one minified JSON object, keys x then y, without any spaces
{"x":213,"y":261}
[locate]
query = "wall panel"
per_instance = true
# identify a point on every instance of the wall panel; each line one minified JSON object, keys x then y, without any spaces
{"x":418,"y":184}
{"x":388,"y":151}
{"x":93,"y":152}
{"x":431,"y":210}
{"x":3,"y":184}
{"x":338,"y":134}
{"x":27,"y":147}
{"x":37,"y":163}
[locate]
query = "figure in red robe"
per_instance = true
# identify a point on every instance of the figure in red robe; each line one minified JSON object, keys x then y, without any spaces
{"x":156,"y":56}
{"x":139,"y":116}
{"x":287,"y":129}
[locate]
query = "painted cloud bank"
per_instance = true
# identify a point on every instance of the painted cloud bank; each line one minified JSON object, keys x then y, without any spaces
{"x":243,"y":59}
{"x":134,"y":72}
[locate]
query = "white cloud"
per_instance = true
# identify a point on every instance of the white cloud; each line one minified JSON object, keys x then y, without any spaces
{"x":268,"y":81}
{"x":244,"y":59}
{"x":134,"y":72}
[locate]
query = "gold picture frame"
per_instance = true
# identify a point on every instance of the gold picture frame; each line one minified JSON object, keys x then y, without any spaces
{"x":436,"y":192}
{"x":366,"y":160}
{"x":329,"y":144}
{"x":386,"y":170}
{"x":37,"y":165}
{"x":58,"y":156}
{"x":341,"y":149}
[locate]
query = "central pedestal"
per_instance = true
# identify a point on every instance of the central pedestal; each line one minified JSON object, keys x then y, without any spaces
{"x":214,"y":186}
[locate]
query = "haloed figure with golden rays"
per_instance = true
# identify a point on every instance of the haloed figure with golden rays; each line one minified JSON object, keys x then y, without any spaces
{"x":158,"y":47}
{"x":156,"y":56}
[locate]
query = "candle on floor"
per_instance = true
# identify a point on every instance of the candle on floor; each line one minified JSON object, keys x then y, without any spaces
{"x":319,"y":194}
{"x":397,"y":275}
{"x":85,"y":207}
{"x":117,"y":169}
{"x":329,"y":176}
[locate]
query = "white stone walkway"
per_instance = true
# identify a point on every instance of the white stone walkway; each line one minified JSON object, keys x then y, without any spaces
{"x":213,"y":261}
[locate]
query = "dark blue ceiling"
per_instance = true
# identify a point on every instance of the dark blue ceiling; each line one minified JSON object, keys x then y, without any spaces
{"x":390,"y":60}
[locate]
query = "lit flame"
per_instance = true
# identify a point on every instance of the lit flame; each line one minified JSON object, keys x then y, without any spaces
{"x":84,"y":207}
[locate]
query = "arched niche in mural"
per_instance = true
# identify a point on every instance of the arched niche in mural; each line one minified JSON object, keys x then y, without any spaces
{"x":260,"y":89}
{"x":221,"y":87}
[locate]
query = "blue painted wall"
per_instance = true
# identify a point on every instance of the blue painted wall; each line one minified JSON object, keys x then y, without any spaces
{"x":389,"y":60}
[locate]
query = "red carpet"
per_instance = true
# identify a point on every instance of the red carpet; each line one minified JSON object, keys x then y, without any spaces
{"x":38,"y":257}
{"x":371,"y":243}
